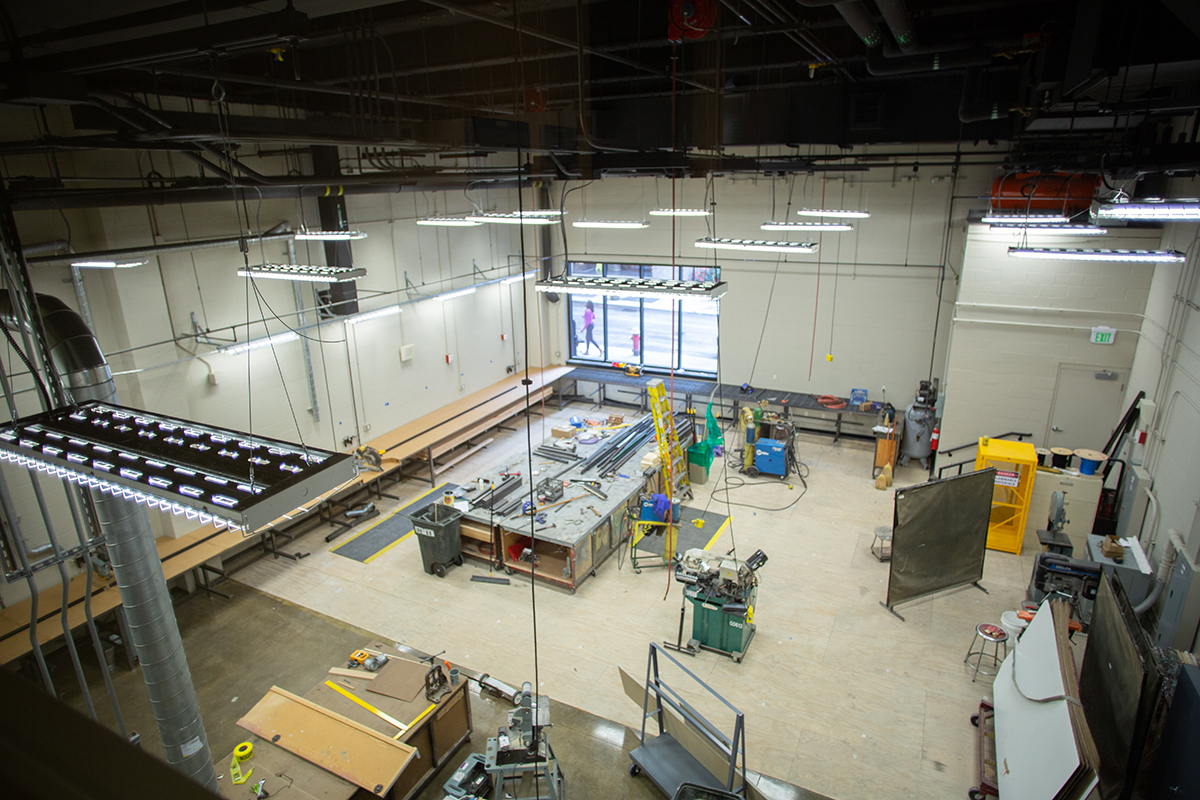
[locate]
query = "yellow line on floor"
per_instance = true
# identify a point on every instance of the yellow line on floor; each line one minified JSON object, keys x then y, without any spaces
{"x":389,"y":547}
{"x":717,"y":535}
{"x":385,"y":519}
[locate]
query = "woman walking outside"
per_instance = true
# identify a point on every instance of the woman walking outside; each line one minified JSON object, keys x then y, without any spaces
{"x":589,"y":325}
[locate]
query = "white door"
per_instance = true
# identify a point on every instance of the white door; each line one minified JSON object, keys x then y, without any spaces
{"x":1087,"y":406}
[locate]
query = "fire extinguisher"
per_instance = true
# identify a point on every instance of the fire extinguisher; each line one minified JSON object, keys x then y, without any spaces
{"x":933,"y":437}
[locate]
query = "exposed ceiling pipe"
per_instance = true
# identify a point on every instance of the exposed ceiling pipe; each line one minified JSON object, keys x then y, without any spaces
{"x":899,"y":22}
{"x":125,"y":526}
{"x":884,"y":59}
{"x":972,"y":107}
{"x":153,"y":250}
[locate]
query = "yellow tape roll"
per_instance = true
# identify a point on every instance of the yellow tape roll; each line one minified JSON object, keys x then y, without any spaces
{"x":243,"y":751}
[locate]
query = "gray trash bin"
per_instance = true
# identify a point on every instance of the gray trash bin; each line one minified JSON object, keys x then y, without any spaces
{"x":437,"y":529}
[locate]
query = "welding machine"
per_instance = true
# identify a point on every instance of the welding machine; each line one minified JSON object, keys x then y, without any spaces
{"x":770,"y":457}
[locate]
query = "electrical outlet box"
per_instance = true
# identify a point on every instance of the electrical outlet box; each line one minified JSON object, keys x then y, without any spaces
{"x":212,"y":379}
{"x":407,"y":351}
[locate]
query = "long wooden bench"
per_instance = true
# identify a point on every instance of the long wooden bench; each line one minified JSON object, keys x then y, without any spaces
{"x":426,"y":438}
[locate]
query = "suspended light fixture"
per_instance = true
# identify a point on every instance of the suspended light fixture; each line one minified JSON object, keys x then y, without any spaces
{"x":680,"y":212}
{"x":833,"y":212}
{"x":800,"y":248}
{"x":993,"y":218}
{"x":449,"y":222}
{"x":1126,"y":256}
{"x":254,"y":344}
{"x":209,"y":474}
{"x":1052,"y":230}
{"x":823,"y":227}
{"x":297,"y":272}
{"x":513,"y":219}
{"x":330,"y":236}
{"x":612,"y":286}
{"x":109,"y":264}
{"x":616,"y":224}
{"x":456,"y":293}
{"x":1156,"y":210}
{"x":524,"y":276}
{"x":387,"y":311}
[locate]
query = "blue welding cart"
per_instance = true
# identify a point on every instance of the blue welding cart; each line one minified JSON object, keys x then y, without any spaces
{"x":770,"y":457}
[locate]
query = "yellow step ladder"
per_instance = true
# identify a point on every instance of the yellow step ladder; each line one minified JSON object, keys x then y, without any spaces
{"x":673,"y":460}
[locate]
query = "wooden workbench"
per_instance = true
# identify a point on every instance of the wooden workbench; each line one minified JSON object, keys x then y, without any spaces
{"x":436,"y":736}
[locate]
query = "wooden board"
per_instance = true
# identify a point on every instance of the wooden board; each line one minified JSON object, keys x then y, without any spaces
{"x":342,"y":746}
{"x":352,"y":673}
{"x":402,"y":680}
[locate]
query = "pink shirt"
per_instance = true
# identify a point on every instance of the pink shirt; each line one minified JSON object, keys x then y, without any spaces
{"x":589,"y":317}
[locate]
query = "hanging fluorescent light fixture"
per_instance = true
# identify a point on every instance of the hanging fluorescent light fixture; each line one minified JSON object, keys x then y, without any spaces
{"x":632,"y":287}
{"x":823,"y":227}
{"x":108,"y":264}
{"x":513,"y":219}
{"x":387,"y":311}
{"x":1052,"y":230}
{"x":456,"y":293}
{"x":450,"y":222}
{"x":680,"y":212}
{"x":330,"y":236}
{"x":254,"y":344}
{"x":615,"y":223}
{"x":1125,"y":256}
{"x":833,"y":212}
{"x":209,"y":474}
{"x":1156,"y":210}
{"x":297,"y":272}
{"x":993,"y":218}
{"x":758,"y":245}
{"x":524,"y":276}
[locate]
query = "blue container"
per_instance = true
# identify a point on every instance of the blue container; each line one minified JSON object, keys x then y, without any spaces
{"x":770,"y":457}
{"x":648,"y":514}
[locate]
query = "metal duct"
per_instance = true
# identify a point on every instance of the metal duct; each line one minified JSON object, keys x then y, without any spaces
{"x":125,"y":525}
{"x":899,"y":22}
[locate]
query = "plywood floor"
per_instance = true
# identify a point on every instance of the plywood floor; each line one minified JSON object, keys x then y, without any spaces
{"x":840,"y":697}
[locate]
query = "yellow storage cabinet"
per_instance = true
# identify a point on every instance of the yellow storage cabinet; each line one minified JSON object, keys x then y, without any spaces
{"x":1016,"y":465}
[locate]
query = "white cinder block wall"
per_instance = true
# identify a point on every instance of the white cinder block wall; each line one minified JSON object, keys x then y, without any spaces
{"x":1167,"y":367}
{"x":1004,"y":362}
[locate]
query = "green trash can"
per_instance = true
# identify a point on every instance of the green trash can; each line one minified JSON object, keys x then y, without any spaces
{"x":437,"y":526}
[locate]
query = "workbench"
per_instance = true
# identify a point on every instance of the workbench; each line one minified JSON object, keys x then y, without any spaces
{"x":436,"y":735}
{"x":587,"y":530}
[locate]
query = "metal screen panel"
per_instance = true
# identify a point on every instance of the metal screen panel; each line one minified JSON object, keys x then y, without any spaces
{"x":939,"y":534}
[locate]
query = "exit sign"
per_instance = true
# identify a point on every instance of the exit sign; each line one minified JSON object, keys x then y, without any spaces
{"x":1103,"y":335}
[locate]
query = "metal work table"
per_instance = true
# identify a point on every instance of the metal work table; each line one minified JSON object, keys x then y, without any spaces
{"x":586,"y":530}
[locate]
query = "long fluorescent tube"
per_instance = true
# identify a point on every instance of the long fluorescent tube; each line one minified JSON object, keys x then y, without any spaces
{"x":450,"y":222}
{"x":456,"y":293}
{"x":758,"y":245}
{"x":616,"y":223}
{"x":611,"y":286}
{"x":210,"y":474}
{"x":512,"y":219}
{"x":1025,"y":219}
{"x":1162,"y":210}
{"x":108,"y":264}
{"x":330,"y":236}
{"x":387,"y":311}
{"x":517,"y":278}
{"x":1133,"y":256}
{"x":807,"y":226}
{"x":680,"y":212}
{"x":296,"y":272}
{"x":833,"y":212}
{"x":1052,"y":230}
{"x":254,"y":344}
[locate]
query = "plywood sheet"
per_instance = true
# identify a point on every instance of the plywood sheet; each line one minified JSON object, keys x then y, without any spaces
{"x":402,"y":680}
{"x":349,"y":750}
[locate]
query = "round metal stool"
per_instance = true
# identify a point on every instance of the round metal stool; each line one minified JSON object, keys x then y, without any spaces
{"x":986,"y":633}
{"x":881,"y":547}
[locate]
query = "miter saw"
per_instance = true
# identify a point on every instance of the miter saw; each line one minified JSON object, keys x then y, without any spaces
{"x":369,"y":458}
{"x":722,"y":590}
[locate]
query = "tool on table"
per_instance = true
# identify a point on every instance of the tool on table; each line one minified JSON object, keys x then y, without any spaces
{"x":505,"y":473}
{"x":544,"y":528}
{"x":526,"y":513}
{"x":550,"y":489}
{"x":367,"y":660}
{"x":437,"y":685}
{"x":259,"y":792}
{"x":591,"y":487}
{"x":370,"y":458}
{"x":243,"y":752}
{"x":359,"y":701}
{"x":594,"y":511}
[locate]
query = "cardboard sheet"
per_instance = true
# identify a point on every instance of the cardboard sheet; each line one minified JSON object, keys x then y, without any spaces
{"x":342,"y":746}
{"x":400,"y":679}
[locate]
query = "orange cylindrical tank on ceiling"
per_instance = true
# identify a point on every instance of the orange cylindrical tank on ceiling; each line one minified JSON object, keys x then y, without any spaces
{"x":1041,"y":191}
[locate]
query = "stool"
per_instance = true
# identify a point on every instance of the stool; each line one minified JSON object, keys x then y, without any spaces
{"x":986,"y":633}
{"x":883,"y":540}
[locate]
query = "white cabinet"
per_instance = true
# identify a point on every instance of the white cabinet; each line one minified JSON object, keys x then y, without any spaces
{"x":1081,"y":496}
